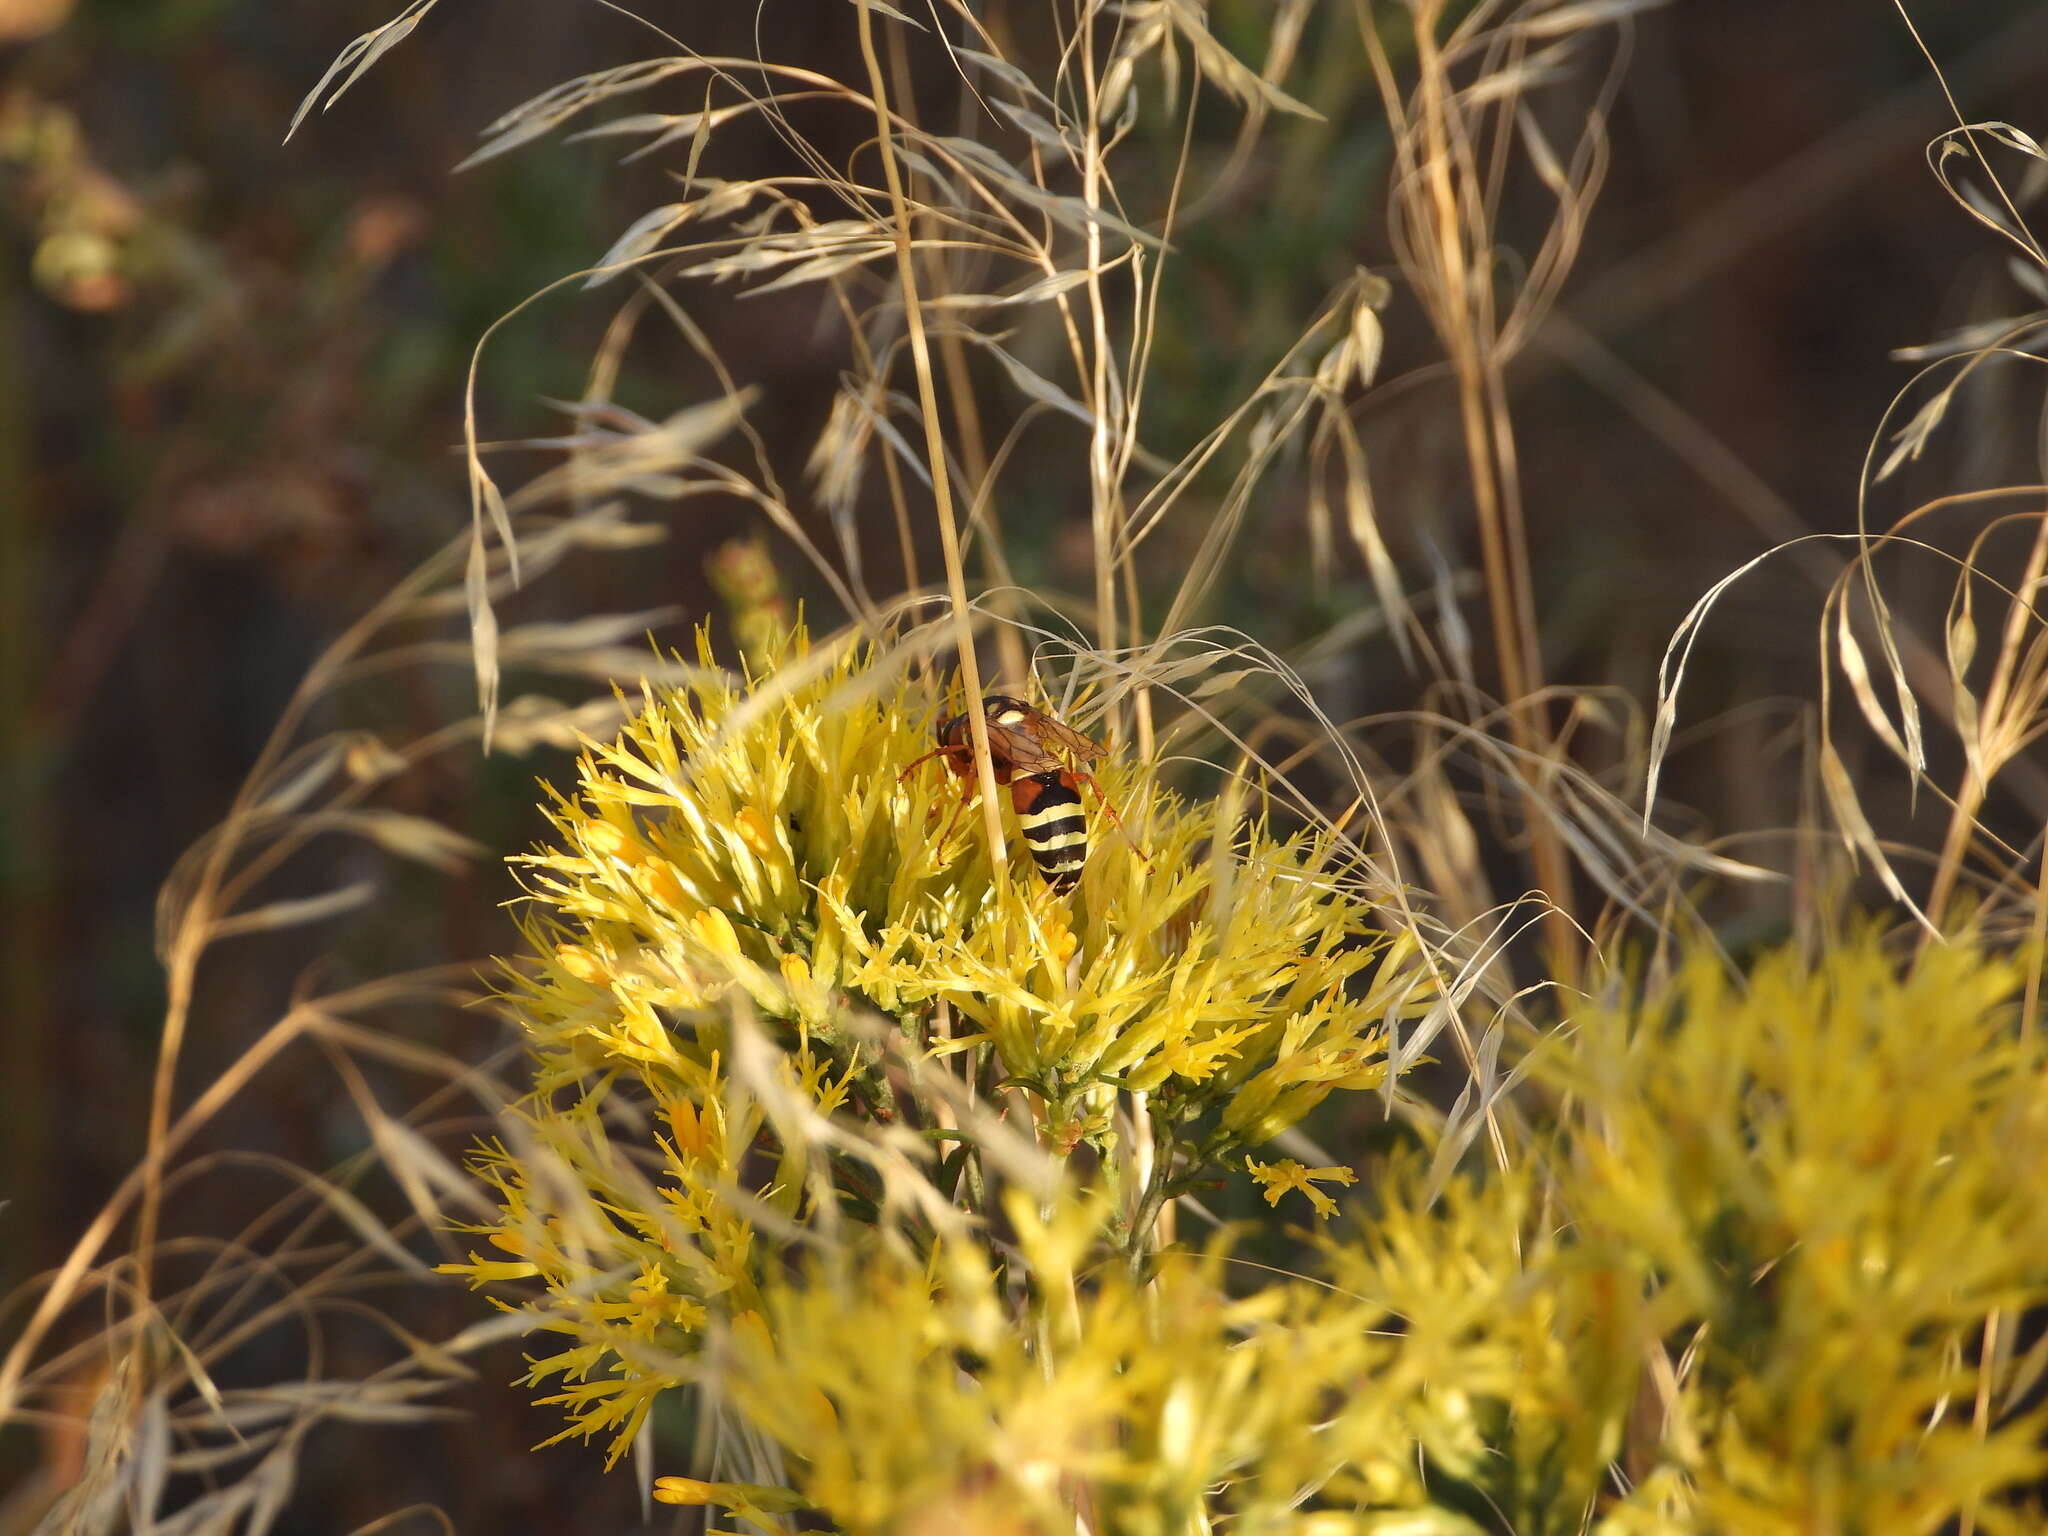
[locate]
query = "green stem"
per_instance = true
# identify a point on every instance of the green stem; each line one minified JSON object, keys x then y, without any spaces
{"x":1138,"y":1241}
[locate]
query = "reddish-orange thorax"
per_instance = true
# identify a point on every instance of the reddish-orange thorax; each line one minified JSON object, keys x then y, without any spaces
{"x":958,"y":754}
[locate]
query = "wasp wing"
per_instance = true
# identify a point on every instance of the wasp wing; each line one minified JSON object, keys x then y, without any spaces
{"x":1084,"y":749}
{"x":1018,"y":747}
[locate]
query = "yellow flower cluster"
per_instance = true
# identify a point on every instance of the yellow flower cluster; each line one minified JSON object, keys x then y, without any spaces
{"x":1829,"y":1179}
{"x":909,"y":1399}
{"x":749,"y":867}
{"x":766,"y":842}
{"x":634,"y":1246}
{"x":1764,"y":1258}
{"x":1771,"y":1271}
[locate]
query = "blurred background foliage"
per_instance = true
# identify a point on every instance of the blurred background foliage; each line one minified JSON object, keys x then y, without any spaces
{"x":230,"y":383}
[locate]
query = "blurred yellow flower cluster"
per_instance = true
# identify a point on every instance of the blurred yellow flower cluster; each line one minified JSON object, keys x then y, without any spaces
{"x":1829,"y":1180}
{"x":1434,"y":1350}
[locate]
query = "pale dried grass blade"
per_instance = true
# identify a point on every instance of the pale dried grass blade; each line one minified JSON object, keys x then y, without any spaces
{"x":573,"y":637}
{"x":1578,"y":16}
{"x":423,"y":1171}
{"x":350,"y":64}
{"x":542,"y":114}
{"x":1031,"y":293}
{"x":669,"y":128}
{"x":1671,"y":666}
{"x":882,"y":8}
{"x":297,"y":912}
{"x":319,"y":766}
{"x":1225,"y":70}
{"x":483,"y":617}
{"x":1857,"y":833}
{"x":1362,"y":522}
{"x":532,"y":720}
{"x":1018,"y":80}
{"x":361,"y":1220}
{"x":640,"y":238}
{"x":418,"y":838}
{"x":1856,"y":672}
{"x":1913,"y":437}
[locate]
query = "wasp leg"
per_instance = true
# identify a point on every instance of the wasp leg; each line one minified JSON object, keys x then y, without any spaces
{"x":969,"y":794}
{"x":939,"y":848}
{"x":1109,"y":805}
{"x":918,"y":763}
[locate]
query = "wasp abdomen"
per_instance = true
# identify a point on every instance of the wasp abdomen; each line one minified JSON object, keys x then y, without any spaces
{"x":1049,"y":813}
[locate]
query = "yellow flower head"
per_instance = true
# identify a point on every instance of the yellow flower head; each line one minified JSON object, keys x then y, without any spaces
{"x":1278,"y":1178}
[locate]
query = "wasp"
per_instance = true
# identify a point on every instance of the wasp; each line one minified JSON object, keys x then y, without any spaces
{"x":1043,"y":762}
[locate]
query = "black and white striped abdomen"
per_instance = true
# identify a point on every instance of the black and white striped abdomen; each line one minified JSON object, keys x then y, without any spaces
{"x":1049,"y":811}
